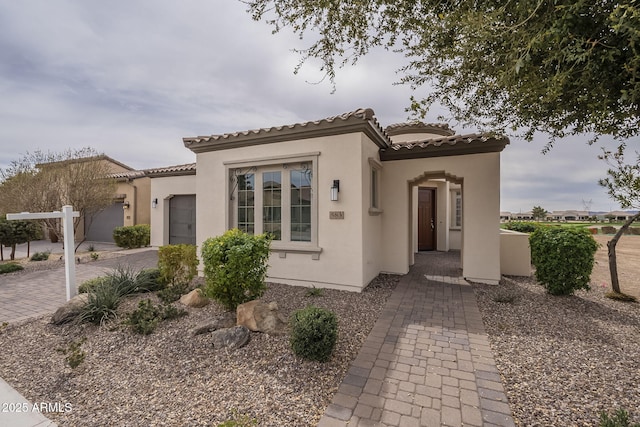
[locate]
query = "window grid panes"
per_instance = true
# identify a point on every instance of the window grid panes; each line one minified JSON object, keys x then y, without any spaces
{"x":374,"y":188}
{"x":272,"y":204}
{"x":300,"y":204}
{"x":246,"y":203}
{"x":458,"y":209}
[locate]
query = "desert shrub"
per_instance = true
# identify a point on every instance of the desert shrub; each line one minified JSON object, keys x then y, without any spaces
{"x":132,"y":236}
{"x":521,"y":226}
{"x":144,"y":319}
{"x":235,"y":265}
{"x":607,"y":229}
{"x":94,"y":256}
{"x":74,"y":355}
{"x":239,"y":421}
{"x":315,"y":292}
{"x":172,"y":293}
{"x":40,"y":256}
{"x":620,"y":418}
{"x":635,"y":231}
{"x":89,"y":285}
{"x":314,"y":332}
{"x":10,"y":267}
{"x":563,"y":258}
{"x":150,"y":280}
{"x":177,"y":263}
{"x":102,"y":302}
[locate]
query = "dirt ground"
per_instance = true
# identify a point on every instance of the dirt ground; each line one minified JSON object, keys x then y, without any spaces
{"x":628,"y":255}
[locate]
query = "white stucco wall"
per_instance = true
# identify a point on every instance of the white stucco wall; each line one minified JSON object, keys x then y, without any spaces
{"x":341,"y":260}
{"x":163,"y":188}
{"x":480,"y":174}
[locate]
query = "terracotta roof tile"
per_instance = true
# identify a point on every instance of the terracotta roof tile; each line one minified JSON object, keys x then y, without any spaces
{"x":419,"y":127}
{"x":185,"y":169}
{"x":445,"y":146}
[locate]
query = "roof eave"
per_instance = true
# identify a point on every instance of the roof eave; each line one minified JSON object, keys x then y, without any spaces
{"x":491,"y":145}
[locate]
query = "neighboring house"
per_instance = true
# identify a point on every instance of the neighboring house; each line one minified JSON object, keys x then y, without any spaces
{"x":173,"y":204}
{"x":620,"y":215}
{"x":344,"y":198}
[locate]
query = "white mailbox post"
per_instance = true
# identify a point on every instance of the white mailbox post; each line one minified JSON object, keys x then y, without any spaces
{"x":67,"y":214}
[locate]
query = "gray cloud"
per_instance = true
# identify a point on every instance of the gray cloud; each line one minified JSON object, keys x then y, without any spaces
{"x":132,"y":78}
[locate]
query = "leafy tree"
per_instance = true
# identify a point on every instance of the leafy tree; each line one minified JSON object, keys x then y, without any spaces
{"x":560,"y":67}
{"x":44,"y":182}
{"x":539,"y":213}
{"x":13,"y":233}
{"x":623,"y":186}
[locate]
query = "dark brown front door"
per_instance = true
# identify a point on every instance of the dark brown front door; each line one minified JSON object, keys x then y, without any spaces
{"x":426,"y":219}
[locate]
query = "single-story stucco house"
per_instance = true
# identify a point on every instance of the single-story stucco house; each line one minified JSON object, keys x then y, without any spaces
{"x":344,"y":198}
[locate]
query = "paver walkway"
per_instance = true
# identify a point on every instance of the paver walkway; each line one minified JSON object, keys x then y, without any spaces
{"x":427,"y":360}
{"x":27,"y":295}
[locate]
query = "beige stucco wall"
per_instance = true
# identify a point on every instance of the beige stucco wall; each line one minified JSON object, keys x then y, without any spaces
{"x":342,"y":263}
{"x":163,"y":188}
{"x":480,"y":176}
{"x":371,"y":218}
{"x":137,"y":192}
{"x":515,"y":253}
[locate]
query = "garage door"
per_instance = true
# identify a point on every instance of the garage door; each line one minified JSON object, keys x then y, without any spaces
{"x":101,"y":228}
{"x":182,"y":220}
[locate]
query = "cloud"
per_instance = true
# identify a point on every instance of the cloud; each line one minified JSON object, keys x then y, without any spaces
{"x":132,"y":78}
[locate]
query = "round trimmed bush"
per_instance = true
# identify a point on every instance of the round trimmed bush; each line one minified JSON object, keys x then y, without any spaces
{"x":563,"y":258}
{"x":314,"y":332}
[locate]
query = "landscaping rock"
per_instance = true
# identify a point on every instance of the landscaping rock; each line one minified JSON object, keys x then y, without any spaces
{"x":225,"y":320}
{"x":70,"y":310}
{"x":259,"y":316}
{"x":194,"y":299}
{"x":231,"y":338}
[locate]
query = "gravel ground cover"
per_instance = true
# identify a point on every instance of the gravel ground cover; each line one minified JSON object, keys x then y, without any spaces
{"x":563,"y":359}
{"x":173,"y":378}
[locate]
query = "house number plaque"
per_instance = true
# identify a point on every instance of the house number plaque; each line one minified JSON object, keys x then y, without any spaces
{"x":336,"y":215}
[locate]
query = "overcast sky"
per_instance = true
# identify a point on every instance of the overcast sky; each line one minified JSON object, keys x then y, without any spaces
{"x":131,"y":78}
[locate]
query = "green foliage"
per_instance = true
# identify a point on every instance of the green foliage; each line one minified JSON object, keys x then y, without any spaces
{"x":563,"y":258}
{"x":10,"y":267}
{"x":539,"y":213}
{"x":239,"y":421}
{"x":146,"y":317}
{"x":623,"y":179}
{"x":74,"y":353}
{"x":177,"y":263}
{"x":132,"y":236}
{"x":171,"y":293}
{"x":40,"y":256}
{"x":89,"y":285}
{"x":523,"y":227}
{"x":94,"y":256}
{"x":561,"y":68}
{"x":620,"y":418}
{"x":150,"y":280}
{"x":314,"y":332}
{"x":315,"y":292}
{"x":235,"y":265}
{"x":15,"y":232}
{"x":102,"y":303}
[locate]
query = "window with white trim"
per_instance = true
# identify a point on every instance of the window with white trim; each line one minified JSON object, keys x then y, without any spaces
{"x":456,"y":212}
{"x":278,"y":199}
{"x":374,"y":187}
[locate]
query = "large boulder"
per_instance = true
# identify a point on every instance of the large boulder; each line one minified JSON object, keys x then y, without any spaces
{"x":225,"y":320}
{"x":70,"y":310}
{"x":230,"y":338}
{"x":194,"y":299}
{"x":259,"y":316}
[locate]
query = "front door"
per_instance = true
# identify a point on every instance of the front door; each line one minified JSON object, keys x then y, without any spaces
{"x":426,"y":219}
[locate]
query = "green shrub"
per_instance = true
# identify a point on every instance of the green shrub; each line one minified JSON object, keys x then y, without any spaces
{"x":10,"y":267}
{"x":150,"y":280}
{"x":102,"y":302}
{"x":146,"y":317}
{"x":563,"y":258}
{"x":132,"y":236}
{"x":314,"y":332}
{"x":523,"y":227}
{"x":40,"y":256}
{"x":94,"y":256}
{"x":607,"y":229}
{"x":239,"y":421}
{"x":235,"y":265}
{"x":74,"y":355}
{"x":172,"y":293}
{"x":89,"y":285}
{"x":177,"y":263}
{"x":619,"y":419}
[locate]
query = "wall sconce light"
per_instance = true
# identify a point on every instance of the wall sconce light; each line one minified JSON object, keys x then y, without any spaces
{"x":335,"y":189}
{"x":126,"y":205}
{"x":154,"y":203}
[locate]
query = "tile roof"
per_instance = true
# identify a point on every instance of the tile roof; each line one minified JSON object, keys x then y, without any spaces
{"x":419,"y":127}
{"x":131,"y":174}
{"x":186,"y":169}
{"x":362,"y":119}
{"x":446,"y":146}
